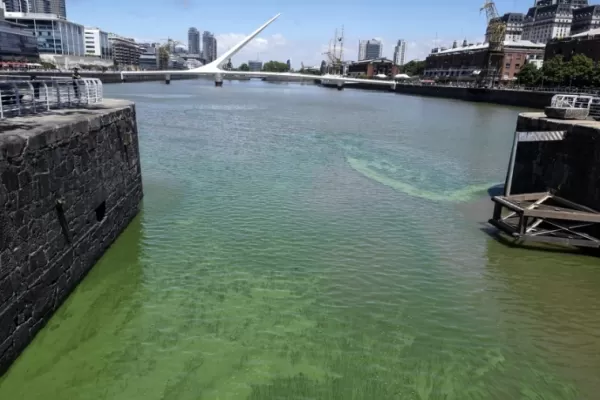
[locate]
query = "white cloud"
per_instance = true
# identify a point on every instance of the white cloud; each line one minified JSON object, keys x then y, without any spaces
{"x":265,"y":48}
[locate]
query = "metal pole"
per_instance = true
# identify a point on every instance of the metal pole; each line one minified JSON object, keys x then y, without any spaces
{"x":511,"y":165}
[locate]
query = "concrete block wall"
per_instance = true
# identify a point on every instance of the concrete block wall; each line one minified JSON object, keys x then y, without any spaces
{"x":70,"y":183}
{"x":571,"y":167}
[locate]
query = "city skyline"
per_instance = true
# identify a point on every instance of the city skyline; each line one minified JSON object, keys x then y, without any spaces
{"x":306,"y":48}
{"x":298,"y":35}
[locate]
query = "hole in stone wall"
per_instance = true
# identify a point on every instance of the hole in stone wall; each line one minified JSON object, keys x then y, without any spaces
{"x":101,"y":211}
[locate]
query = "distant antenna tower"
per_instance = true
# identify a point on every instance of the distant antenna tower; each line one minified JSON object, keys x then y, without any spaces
{"x":342,"y":45}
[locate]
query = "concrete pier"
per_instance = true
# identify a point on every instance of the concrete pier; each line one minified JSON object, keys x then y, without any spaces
{"x":70,"y":183}
{"x":570,"y":166}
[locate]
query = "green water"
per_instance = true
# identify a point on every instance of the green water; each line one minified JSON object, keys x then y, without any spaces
{"x":303,"y":243}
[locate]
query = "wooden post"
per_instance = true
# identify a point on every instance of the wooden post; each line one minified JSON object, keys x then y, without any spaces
{"x":511,"y":165}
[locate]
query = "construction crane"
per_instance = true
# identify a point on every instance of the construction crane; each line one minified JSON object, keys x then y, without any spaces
{"x":495,"y":32}
{"x":335,"y":58}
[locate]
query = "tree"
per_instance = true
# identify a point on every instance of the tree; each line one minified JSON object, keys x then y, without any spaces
{"x":275,"y":66}
{"x":579,"y":71}
{"x":413,"y":68}
{"x":244,"y":67}
{"x":529,"y":75}
{"x":164,"y":54}
{"x":554,"y":71}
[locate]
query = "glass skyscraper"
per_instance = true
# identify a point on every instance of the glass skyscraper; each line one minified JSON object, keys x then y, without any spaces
{"x":53,"y":35}
{"x":56,"y":7}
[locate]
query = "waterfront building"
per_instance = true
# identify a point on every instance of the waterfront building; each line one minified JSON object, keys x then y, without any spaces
{"x":466,"y":63}
{"x":514,"y":27}
{"x":255,"y":65}
{"x":209,"y":46}
{"x":369,"y":49}
{"x":55,"y":35}
{"x":585,"y":19}
{"x":399,"y":52}
{"x":97,"y":43}
{"x":371,"y":68}
{"x":548,"y":21}
{"x":193,"y":41}
{"x":126,"y":52}
{"x":16,"y":43}
{"x":148,"y":56}
{"x":55,"y":7}
{"x":586,"y":43}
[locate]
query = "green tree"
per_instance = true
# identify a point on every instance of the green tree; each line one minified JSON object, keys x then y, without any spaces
{"x":244,"y":67}
{"x":579,"y":71}
{"x":554,"y":71}
{"x":275,"y":66}
{"x":413,"y":68}
{"x":529,"y":75}
{"x":164,"y":53}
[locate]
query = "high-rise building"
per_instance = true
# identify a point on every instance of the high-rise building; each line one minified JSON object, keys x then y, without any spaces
{"x":193,"y":41}
{"x":255,"y":65}
{"x":585,"y":19}
{"x":369,"y":49}
{"x":126,"y":52}
{"x":54,"y":35}
{"x":573,"y":3}
{"x":17,"y":43}
{"x":56,"y":7}
{"x":399,"y":52}
{"x":97,"y":43}
{"x":209,"y":46}
{"x":550,"y":19}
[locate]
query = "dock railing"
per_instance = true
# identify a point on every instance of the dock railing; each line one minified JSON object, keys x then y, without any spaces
{"x":592,"y":103}
{"x":21,"y":97}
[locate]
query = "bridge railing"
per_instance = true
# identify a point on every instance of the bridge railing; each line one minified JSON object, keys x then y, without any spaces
{"x":21,"y":97}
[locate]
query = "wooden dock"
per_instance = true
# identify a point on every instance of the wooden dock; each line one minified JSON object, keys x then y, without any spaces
{"x":546,"y":218}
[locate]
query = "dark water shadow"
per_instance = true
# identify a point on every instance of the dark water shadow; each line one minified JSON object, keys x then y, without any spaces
{"x":503,"y":239}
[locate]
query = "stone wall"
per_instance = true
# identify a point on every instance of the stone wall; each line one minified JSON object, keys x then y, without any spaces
{"x":571,"y":166}
{"x":517,"y":98}
{"x":505,"y":97}
{"x":70,"y":182}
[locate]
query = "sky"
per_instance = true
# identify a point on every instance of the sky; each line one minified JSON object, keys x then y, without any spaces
{"x":305,"y":28}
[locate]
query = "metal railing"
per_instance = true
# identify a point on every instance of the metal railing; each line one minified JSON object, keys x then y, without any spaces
{"x":592,"y":103}
{"x":22,"y":97}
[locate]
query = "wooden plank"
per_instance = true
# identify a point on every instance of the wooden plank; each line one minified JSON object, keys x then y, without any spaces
{"x":573,"y":205}
{"x":563,"y":215}
{"x":504,"y":227}
{"x":526,"y":196}
{"x":507,"y":204}
{"x":560,"y":241}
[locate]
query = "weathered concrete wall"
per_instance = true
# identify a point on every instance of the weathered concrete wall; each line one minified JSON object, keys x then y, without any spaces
{"x":570,"y":166}
{"x":70,"y":182}
{"x":505,"y":97}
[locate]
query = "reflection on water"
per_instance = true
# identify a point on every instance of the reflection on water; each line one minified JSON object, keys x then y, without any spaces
{"x":318,"y":244}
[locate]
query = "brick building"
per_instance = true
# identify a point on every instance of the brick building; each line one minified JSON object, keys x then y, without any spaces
{"x":370,"y":68}
{"x":467,"y":62}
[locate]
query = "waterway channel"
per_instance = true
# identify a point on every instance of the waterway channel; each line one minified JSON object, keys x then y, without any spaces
{"x":303,"y":243}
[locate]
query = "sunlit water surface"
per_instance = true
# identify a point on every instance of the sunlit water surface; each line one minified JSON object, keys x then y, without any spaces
{"x":303,"y":243}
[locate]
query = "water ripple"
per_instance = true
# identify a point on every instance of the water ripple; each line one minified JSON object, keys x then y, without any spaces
{"x":309,"y":244}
